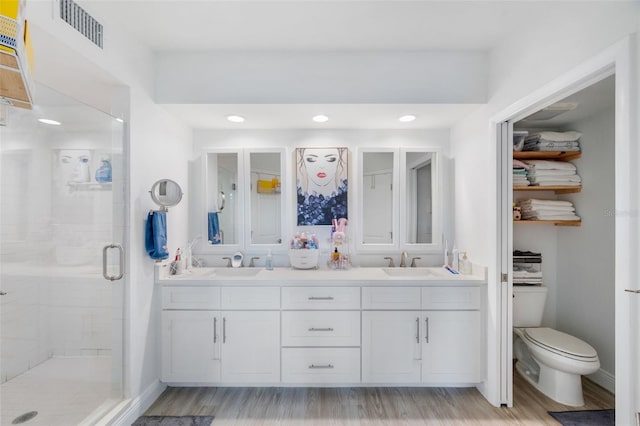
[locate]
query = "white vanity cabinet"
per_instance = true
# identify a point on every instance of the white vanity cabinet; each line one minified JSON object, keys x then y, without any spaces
{"x":221,"y":335}
{"x":437,"y":344}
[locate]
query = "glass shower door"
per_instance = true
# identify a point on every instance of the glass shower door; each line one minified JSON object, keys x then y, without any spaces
{"x":62,"y":201}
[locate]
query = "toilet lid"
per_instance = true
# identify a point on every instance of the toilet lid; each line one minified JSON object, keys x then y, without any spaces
{"x":561,"y":342}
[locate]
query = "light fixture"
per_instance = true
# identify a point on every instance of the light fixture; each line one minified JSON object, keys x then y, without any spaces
{"x":320,"y":118}
{"x":235,"y":118}
{"x":407,"y":118}
{"x":119,"y":120}
{"x":48,"y":121}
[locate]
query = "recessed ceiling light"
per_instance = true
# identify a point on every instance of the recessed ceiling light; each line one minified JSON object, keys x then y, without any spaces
{"x":235,"y":118}
{"x":407,"y":118}
{"x":48,"y":121}
{"x":320,"y":118}
{"x":119,"y":120}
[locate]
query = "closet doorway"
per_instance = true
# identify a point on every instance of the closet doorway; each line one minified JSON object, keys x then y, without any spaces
{"x":586,"y":267}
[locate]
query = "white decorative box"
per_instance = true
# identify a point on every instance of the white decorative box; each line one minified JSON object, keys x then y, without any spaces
{"x":304,"y":258}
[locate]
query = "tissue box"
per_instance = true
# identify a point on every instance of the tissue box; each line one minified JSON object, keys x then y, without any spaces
{"x":304,"y":259}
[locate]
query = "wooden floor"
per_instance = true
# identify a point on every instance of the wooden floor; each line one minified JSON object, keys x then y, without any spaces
{"x":368,"y":406}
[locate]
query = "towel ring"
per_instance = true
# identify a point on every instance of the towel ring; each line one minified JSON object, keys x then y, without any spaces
{"x":221,"y":200}
{"x":166,"y":193}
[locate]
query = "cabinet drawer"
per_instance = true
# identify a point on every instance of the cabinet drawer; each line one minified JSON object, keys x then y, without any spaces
{"x":250,"y":298}
{"x":321,"y":328}
{"x":202,"y":298}
{"x":321,"y":365}
{"x":391,"y":298}
{"x":321,"y":298}
{"x":450,"y":298}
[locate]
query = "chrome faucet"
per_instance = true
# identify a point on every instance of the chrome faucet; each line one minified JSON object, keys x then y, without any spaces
{"x":403,"y":259}
{"x":391,"y":264}
{"x":228,"y":259}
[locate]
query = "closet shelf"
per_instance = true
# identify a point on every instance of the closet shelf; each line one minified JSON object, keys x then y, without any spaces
{"x":89,"y":185}
{"x":547,"y":155}
{"x":557,"y":189}
{"x":551,"y":222}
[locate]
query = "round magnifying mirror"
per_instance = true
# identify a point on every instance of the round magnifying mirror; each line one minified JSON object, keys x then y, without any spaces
{"x":166,"y":193}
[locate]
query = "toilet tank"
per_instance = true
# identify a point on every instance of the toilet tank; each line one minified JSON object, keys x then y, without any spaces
{"x":528,"y":305}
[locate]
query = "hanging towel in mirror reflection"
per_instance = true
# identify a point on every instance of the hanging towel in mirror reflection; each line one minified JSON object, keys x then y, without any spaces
{"x":214,"y":229}
{"x":155,"y":240}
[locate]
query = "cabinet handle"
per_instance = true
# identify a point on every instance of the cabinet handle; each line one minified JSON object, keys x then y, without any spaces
{"x":426,"y":331}
{"x":320,"y":297}
{"x":224,"y":330}
{"x":215,"y":327}
{"x":312,"y":366}
{"x":418,"y":330}
{"x":321,"y":329}
{"x":632,"y":291}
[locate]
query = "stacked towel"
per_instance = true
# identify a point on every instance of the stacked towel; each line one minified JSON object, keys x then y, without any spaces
{"x":527,"y":268}
{"x":552,"y":173}
{"x":547,"y":210}
{"x":552,"y":141}
{"x":520,"y":173}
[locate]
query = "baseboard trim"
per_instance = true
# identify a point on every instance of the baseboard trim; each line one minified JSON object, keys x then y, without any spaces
{"x":140,"y":404}
{"x":604,"y":379}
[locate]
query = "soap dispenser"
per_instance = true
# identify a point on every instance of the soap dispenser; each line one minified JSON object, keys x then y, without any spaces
{"x":103,"y":174}
{"x":268,"y":264}
{"x":465,"y":265}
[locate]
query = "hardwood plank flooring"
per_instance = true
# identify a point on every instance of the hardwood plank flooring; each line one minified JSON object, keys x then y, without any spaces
{"x":368,"y":406}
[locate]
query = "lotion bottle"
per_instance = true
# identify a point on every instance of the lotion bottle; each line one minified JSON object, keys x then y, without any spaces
{"x":268,"y":263}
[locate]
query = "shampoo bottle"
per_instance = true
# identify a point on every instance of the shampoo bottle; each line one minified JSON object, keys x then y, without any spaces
{"x":103,"y":174}
{"x":268,"y":263}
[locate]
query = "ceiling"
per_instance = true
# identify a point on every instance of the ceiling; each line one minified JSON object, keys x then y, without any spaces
{"x":328,"y":25}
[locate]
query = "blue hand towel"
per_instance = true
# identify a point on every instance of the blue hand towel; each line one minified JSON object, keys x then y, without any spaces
{"x":155,"y":239}
{"x":214,"y":229}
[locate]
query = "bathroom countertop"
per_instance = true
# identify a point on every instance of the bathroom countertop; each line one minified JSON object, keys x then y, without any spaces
{"x":287,"y":276}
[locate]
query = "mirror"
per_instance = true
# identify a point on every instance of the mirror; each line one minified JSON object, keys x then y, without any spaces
{"x":265,"y":169}
{"x":418,"y":220}
{"x":166,"y":193}
{"x":377,"y":197}
{"x":222,"y":198}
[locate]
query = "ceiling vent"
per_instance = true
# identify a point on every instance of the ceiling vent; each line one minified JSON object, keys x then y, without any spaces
{"x":79,"y":19}
{"x":552,"y":111}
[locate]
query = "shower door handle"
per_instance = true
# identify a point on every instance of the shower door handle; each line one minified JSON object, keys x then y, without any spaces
{"x":632,"y":291}
{"x":105,"y":249}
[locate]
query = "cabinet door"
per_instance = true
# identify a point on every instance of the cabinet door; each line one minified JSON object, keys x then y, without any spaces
{"x":451,"y":347}
{"x":250,"y":347}
{"x":190,"y":346}
{"x":391,"y":347}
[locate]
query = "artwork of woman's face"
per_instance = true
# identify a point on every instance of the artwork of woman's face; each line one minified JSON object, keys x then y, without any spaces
{"x":321,"y":165}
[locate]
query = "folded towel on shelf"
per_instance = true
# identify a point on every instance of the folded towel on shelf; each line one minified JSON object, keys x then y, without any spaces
{"x":520,"y":164}
{"x":539,"y":179}
{"x":155,"y":238}
{"x":555,"y":172}
{"x":556,"y":183}
{"x":548,"y":144}
{"x":549,"y":216}
{"x":548,"y":208}
{"x":550,"y":165}
{"x":552,"y":148}
{"x":535,"y":202}
{"x":214,"y":229}
{"x":555,"y":136}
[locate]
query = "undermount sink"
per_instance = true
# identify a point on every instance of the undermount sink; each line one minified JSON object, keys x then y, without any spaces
{"x":407,"y":272}
{"x":237,"y":272}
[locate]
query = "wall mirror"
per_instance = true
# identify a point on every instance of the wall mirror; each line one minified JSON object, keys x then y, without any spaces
{"x":265,"y":197}
{"x":224,"y":204}
{"x":419,"y":211}
{"x":378,"y":199}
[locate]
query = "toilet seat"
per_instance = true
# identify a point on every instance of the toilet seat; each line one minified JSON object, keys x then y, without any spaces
{"x":560,"y":343}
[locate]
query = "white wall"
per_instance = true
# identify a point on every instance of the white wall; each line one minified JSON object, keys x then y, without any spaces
{"x":585,"y":283}
{"x":157,"y":146}
{"x":519,"y":65}
{"x":353,"y":139}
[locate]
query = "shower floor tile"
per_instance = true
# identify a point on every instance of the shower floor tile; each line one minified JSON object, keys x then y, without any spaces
{"x":62,"y":390}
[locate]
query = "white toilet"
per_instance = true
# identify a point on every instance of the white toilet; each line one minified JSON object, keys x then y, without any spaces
{"x":550,"y":360}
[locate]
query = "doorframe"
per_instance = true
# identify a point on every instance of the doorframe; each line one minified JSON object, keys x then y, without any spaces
{"x":618,"y":59}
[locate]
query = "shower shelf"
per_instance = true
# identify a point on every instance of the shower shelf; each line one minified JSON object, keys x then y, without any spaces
{"x":89,"y":186}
